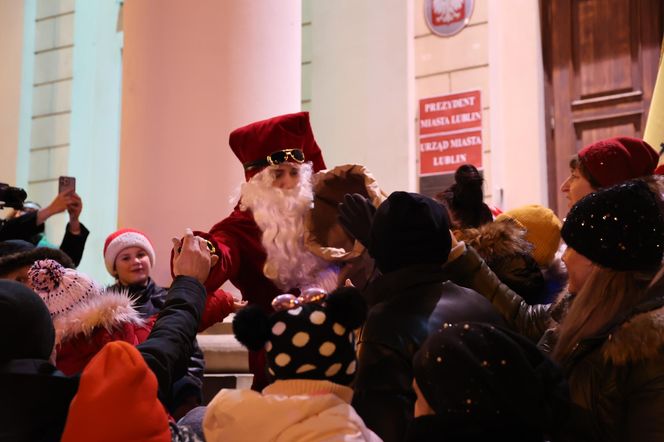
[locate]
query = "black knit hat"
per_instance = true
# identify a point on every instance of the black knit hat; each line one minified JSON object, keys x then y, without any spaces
{"x":26,"y":329}
{"x":311,"y":341}
{"x":409,"y":228}
{"x":12,"y":246}
{"x":18,"y":256}
{"x":621,"y":227}
{"x":479,"y":375}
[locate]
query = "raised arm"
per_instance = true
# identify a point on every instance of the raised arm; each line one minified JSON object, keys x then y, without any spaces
{"x":170,"y":343}
{"x":468,"y":269}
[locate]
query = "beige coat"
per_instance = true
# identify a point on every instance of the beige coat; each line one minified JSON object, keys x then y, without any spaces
{"x":290,"y":410}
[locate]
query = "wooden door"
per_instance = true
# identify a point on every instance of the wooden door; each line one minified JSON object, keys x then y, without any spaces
{"x":601,"y":59}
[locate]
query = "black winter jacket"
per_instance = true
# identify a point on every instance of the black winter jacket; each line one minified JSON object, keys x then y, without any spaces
{"x":25,"y":227}
{"x":416,"y":300}
{"x":35,"y":395}
{"x":616,"y":378}
{"x":470,"y":270}
{"x":149,"y":301}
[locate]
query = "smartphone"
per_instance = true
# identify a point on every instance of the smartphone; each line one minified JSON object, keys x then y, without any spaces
{"x":66,"y":184}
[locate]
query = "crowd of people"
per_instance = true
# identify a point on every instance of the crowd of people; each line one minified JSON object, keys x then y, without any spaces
{"x":367,"y":316}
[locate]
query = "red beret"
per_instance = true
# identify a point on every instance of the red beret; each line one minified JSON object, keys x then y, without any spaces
{"x":619,"y":159}
{"x":258,"y":140}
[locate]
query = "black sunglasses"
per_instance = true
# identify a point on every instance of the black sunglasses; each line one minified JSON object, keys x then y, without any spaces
{"x":275,"y":158}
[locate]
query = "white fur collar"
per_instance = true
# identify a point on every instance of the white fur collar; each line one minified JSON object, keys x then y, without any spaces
{"x":108,"y":310}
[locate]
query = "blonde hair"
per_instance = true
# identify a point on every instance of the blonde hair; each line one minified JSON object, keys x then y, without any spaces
{"x":605,"y":295}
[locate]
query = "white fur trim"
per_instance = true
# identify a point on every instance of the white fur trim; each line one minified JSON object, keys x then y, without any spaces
{"x":107,"y":310}
{"x":127,"y":239}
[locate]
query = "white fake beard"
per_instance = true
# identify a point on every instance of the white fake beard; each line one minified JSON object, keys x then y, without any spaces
{"x":280,"y":215}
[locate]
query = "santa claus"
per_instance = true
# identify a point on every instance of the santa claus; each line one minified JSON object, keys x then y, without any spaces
{"x":266,"y":246}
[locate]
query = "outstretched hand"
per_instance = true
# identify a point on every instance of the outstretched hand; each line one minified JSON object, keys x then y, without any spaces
{"x":191,"y":257}
{"x":238,"y":304}
{"x":356,"y":215}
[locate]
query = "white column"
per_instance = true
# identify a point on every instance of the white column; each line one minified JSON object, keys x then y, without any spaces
{"x":11,"y":52}
{"x":362,"y":87}
{"x":518,"y":142}
{"x":193,"y":72}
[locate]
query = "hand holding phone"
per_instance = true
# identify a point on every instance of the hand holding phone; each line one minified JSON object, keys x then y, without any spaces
{"x":66,"y":184}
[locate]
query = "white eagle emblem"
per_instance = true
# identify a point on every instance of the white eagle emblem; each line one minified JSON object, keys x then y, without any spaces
{"x":447,"y":11}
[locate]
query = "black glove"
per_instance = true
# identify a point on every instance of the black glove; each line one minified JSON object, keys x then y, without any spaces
{"x":356,"y":214}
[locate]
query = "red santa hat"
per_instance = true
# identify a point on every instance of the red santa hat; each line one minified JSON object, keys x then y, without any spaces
{"x":255,"y":142}
{"x":120,"y":240}
{"x":619,"y":159}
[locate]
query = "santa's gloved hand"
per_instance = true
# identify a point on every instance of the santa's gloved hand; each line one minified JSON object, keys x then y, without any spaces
{"x":356,"y":214}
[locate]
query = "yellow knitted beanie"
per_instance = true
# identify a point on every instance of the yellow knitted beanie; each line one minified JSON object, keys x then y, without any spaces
{"x":542,"y":230}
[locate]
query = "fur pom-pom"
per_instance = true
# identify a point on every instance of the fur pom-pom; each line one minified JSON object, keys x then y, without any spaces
{"x":251,"y":327}
{"x":45,"y":275}
{"x":347,"y":306}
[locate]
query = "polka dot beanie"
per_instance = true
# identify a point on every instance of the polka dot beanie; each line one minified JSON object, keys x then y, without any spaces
{"x":120,"y":240}
{"x":311,"y":341}
{"x":60,"y":288}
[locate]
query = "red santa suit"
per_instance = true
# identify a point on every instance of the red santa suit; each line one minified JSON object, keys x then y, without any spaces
{"x":237,"y":238}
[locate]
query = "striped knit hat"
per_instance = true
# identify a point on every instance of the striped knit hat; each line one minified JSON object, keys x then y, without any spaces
{"x":120,"y":240}
{"x":61,"y":289}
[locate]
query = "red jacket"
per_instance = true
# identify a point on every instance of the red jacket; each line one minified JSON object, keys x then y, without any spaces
{"x":82,"y":332}
{"x":241,"y":258}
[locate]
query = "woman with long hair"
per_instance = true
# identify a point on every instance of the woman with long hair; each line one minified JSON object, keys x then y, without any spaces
{"x":607,"y":332}
{"x":611,"y":339}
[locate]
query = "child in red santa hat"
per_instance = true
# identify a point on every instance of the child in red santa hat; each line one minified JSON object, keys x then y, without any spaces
{"x":129,"y":257}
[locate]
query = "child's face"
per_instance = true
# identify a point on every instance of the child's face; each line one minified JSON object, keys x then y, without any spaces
{"x":132,"y":266}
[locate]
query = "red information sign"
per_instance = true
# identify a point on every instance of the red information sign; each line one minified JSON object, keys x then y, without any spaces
{"x":450,"y":132}
{"x":444,"y":153}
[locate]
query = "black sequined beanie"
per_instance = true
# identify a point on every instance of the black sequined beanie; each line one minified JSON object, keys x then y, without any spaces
{"x":620,"y":228}
{"x":479,"y":375}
